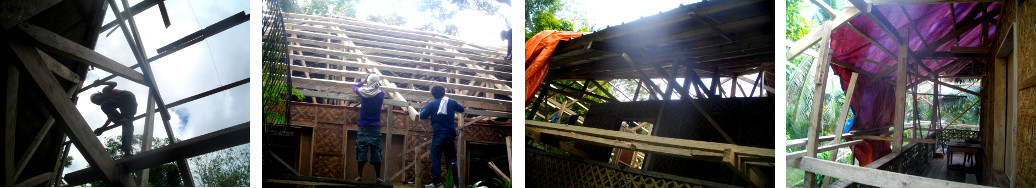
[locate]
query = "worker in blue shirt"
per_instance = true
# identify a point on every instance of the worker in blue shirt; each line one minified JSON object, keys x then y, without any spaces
{"x":368,"y":137}
{"x":444,"y":142}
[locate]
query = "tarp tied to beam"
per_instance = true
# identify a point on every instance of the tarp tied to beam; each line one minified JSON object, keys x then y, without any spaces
{"x":537,"y":57}
{"x":935,"y":23}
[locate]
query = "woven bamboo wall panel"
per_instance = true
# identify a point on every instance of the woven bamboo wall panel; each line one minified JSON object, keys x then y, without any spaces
{"x":486,"y":134}
{"x":1026,"y":154}
{"x":309,"y":114}
{"x":328,"y":166}
{"x":329,"y":139}
{"x":553,"y":171}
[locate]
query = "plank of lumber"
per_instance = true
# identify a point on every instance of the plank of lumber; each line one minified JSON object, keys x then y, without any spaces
{"x":207,"y":143}
{"x":342,"y":86}
{"x":58,"y":45}
{"x":874,"y":137}
{"x":874,"y":177}
{"x":802,"y":141}
{"x":764,"y":86}
{"x":19,"y":11}
{"x":426,"y":53}
{"x":840,"y":125}
{"x":829,"y":147}
{"x":58,"y":68}
{"x":645,"y":147}
{"x":353,"y":97}
{"x":394,"y":68}
{"x":35,"y":180}
{"x":59,"y":104}
{"x":663,"y":141}
{"x":395,"y":79}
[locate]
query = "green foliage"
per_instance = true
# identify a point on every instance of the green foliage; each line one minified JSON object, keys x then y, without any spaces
{"x":165,"y":175}
{"x":436,"y":9}
{"x":325,"y":7}
{"x":543,"y":15}
{"x":224,"y":168}
{"x":390,"y":19}
{"x":503,"y":183}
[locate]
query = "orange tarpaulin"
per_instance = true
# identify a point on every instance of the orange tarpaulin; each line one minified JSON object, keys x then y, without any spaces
{"x":537,"y":57}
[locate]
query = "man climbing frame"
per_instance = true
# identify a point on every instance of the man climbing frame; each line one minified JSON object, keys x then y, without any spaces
{"x":369,"y":135}
{"x":111,"y":99}
{"x":444,"y":142}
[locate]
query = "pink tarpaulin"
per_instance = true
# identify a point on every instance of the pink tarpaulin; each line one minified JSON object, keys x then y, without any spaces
{"x":874,"y":102}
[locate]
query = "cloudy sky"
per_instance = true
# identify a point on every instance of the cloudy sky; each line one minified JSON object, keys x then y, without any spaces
{"x":473,"y":26}
{"x":214,"y":62}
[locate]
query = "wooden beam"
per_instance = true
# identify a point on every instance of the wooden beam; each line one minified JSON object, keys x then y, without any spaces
{"x":58,"y":45}
{"x":767,"y":88}
{"x":149,"y":132}
{"x":35,"y":180}
{"x":207,"y":143}
{"x":827,"y":9}
{"x":879,"y":18}
{"x":662,"y":141}
{"x":873,"y":137}
{"x":420,"y":52}
{"x":821,"y":149}
{"x":683,"y":92}
{"x":644,"y":147}
{"x":802,"y":141}
{"x":874,"y":177}
{"x":58,"y":103}
{"x":32,"y":148}
{"x":816,"y":111}
{"x":841,"y":120}
{"x":355,"y":98}
{"x":58,"y":69}
{"x":344,"y":87}
{"x":19,"y":11}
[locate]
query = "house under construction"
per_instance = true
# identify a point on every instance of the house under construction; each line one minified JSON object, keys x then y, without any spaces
{"x":49,"y":47}
{"x":691,"y":132}
{"x":888,"y":52}
{"x":324,"y":57}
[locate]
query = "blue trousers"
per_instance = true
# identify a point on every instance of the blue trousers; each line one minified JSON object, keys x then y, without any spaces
{"x":444,"y":145}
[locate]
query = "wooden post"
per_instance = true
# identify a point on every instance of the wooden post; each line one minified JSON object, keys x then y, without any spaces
{"x":816,"y":112}
{"x":539,"y":100}
{"x":387,"y":160}
{"x":1012,"y":103}
{"x":460,"y":152}
{"x":10,"y":123}
{"x":914,"y":103}
{"x":900,"y":100}
{"x":149,"y":123}
{"x":841,"y":121}
{"x":734,"y":83}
